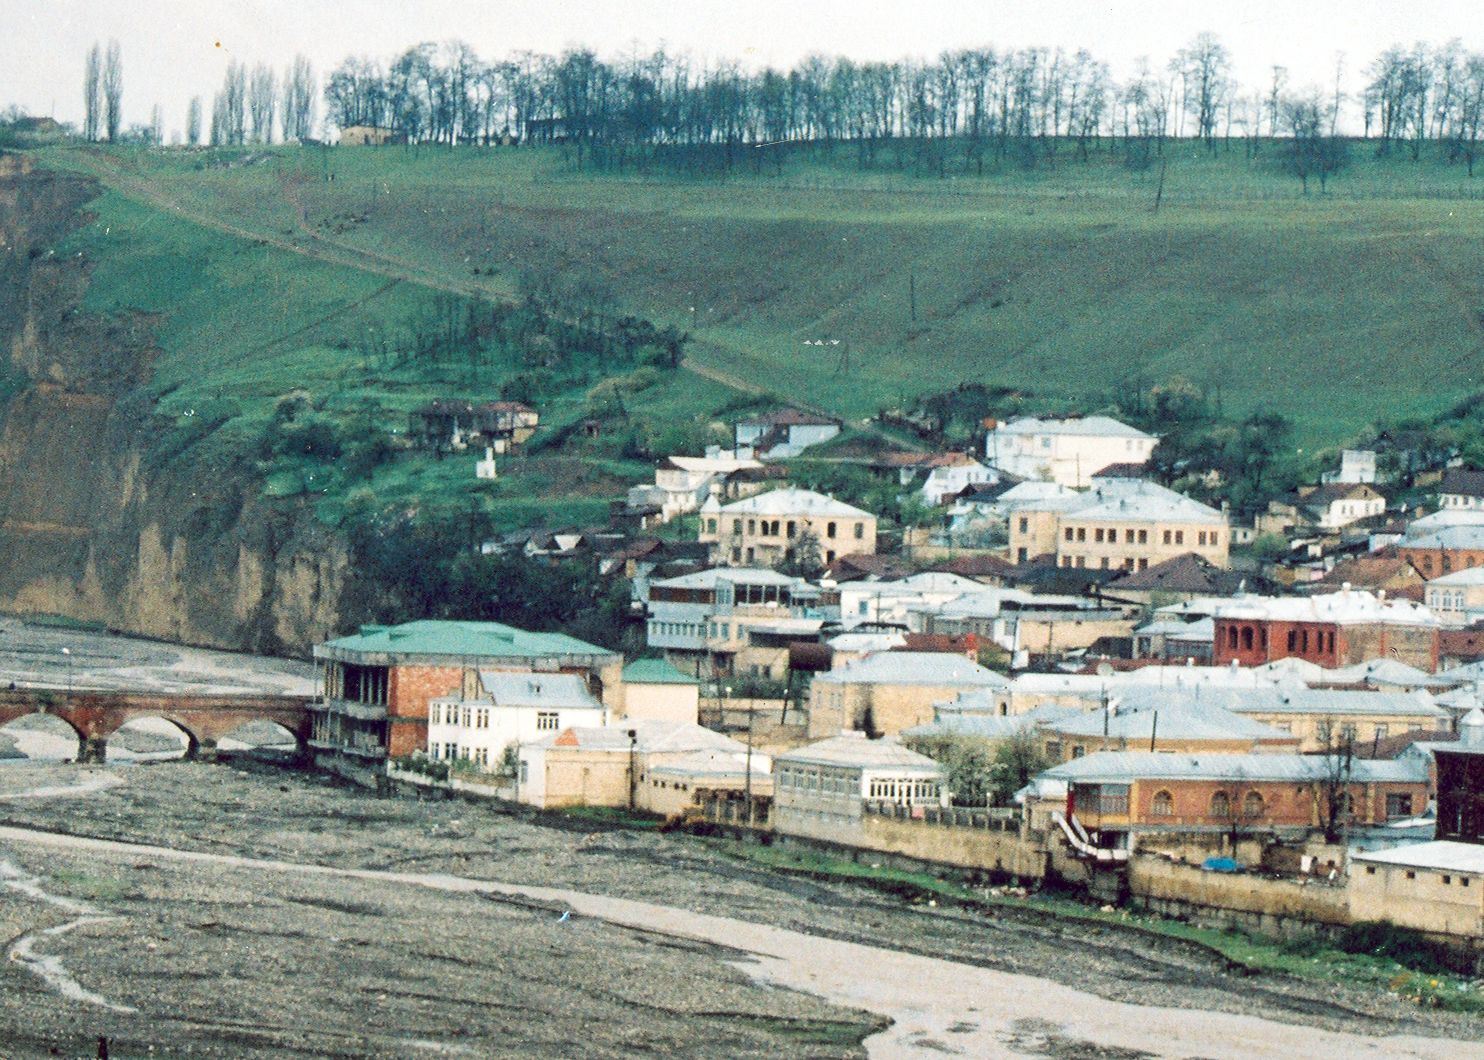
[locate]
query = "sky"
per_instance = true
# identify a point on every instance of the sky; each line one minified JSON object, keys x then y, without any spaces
{"x":174,"y":49}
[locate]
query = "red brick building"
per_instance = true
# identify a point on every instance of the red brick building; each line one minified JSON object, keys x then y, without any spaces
{"x":1121,"y":794}
{"x":376,"y":684}
{"x":1449,"y":549}
{"x":1331,"y":630}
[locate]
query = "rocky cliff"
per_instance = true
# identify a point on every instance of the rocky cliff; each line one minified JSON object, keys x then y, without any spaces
{"x":90,"y":526}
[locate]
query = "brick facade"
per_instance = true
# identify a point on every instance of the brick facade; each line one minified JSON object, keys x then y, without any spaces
{"x":1253,"y":642}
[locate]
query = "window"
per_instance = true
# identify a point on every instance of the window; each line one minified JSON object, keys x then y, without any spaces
{"x":1370,"y":870}
{"x":1143,"y":537}
{"x":1381,"y":731}
{"x":1398,"y":805}
{"x":1097,"y":535}
{"x":1200,"y":538}
{"x":1252,"y":805}
{"x":1069,"y":535}
{"x":829,"y":529}
{"x":1025,"y":527}
{"x":710,"y":526}
{"x":1179,"y":537}
{"x":1221,"y":805}
{"x":752,"y":526}
{"x":1081,"y":533}
{"x":1411,"y":875}
{"x":1167,"y":537}
{"x":1447,"y":879}
{"x":1163,"y":805}
{"x":1078,"y":751}
{"x":736,"y":526}
{"x":546,"y":721}
{"x":793,"y":528}
{"x":1128,"y":537}
{"x":525,"y":771}
{"x":860,"y":531}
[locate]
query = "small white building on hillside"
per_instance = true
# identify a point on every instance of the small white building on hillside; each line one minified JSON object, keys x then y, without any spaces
{"x":1068,"y":451}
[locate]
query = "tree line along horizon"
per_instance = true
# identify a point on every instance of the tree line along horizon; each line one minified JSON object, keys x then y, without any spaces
{"x":1030,"y":102}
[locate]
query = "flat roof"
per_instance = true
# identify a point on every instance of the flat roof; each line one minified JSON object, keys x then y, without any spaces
{"x":1440,"y":854}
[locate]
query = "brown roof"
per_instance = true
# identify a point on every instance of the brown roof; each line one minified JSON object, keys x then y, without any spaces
{"x":1123,"y":470}
{"x":790,"y":418}
{"x":1187,"y":573}
{"x":858,"y":565}
{"x":978,"y":565}
{"x":1461,"y":643}
{"x":1391,"y":746}
{"x":1464,"y":481}
{"x":1381,"y":571}
{"x":1337,"y":491}
{"x":946,"y":643}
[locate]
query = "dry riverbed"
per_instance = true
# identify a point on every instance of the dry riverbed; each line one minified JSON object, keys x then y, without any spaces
{"x":407,"y":957}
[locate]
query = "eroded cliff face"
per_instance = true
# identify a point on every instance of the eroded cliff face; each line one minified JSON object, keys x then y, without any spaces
{"x":88,"y":527}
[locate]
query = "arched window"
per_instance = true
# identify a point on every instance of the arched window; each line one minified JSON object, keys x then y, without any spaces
{"x":1246,"y":638}
{"x":1252,"y":805}
{"x":1163,"y":804}
{"x":1221,"y":805}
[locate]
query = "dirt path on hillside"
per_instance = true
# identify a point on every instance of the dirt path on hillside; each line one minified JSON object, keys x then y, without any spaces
{"x":935,"y":1005}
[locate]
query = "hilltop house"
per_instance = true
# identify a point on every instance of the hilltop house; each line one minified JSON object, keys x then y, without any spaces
{"x":1068,"y":451}
{"x":377,"y":684}
{"x":784,"y":434}
{"x":370,"y":136}
{"x":449,"y":423}
{"x":1325,"y":508}
{"x":1356,"y":465}
{"x":766,"y":529}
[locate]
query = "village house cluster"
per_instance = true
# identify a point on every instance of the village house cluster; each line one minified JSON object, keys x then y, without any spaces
{"x":1073,"y":671}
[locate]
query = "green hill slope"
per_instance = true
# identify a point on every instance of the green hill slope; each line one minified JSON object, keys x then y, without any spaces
{"x":1335,"y":311}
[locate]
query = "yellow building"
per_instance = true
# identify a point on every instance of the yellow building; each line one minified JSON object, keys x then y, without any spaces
{"x":368,"y":136}
{"x":653,"y":690}
{"x":764,"y":529}
{"x":1436,"y":887}
{"x":1120,"y":524}
{"x":890,"y":691}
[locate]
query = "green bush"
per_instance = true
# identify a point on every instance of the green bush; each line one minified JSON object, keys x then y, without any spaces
{"x":1406,"y":946}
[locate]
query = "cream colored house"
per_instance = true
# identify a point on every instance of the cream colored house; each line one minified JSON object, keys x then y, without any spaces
{"x":1121,"y":524}
{"x":1457,"y":598}
{"x":1067,"y":451}
{"x":1436,"y":887}
{"x":762,"y":530}
{"x":889,"y":691}
{"x":654,"y":690}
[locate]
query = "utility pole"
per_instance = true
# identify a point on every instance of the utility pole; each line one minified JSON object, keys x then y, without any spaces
{"x":748,"y":780}
{"x":633,"y":779}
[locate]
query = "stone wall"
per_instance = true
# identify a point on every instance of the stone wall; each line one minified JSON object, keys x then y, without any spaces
{"x":1254,"y":903}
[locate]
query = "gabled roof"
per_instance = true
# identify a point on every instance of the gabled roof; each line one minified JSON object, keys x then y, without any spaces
{"x":856,"y":566}
{"x":1082,"y":426}
{"x":1389,"y":672}
{"x":1135,"y":500}
{"x":1370,"y":572}
{"x":537,"y":690}
{"x":788,"y":418}
{"x":1188,"y":573}
{"x":914,"y":668}
{"x":794,"y":501}
{"x":1338,"y":491}
{"x":857,"y":750}
{"x":470,"y":641}
{"x":1460,"y":481}
{"x":1450,"y":537}
{"x":1467,"y":576}
{"x":707,"y":579}
{"x":976,"y":565}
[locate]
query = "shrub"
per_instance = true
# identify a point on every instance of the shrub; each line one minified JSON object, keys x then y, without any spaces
{"x":1406,"y":946}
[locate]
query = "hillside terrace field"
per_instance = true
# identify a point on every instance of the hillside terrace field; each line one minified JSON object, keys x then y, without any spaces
{"x":264,"y":266}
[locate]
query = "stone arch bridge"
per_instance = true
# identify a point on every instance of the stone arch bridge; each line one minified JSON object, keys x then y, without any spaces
{"x":205,"y":719}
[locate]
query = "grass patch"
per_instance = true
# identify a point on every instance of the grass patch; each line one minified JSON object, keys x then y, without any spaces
{"x":613,"y":816}
{"x":1380,"y":967}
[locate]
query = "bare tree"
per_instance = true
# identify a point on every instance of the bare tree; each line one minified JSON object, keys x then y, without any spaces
{"x":298,"y":100}
{"x":193,"y":122}
{"x":113,"y":90}
{"x":92,"y":93}
{"x":262,"y":100}
{"x":1333,"y":788}
{"x":1204,"y":67}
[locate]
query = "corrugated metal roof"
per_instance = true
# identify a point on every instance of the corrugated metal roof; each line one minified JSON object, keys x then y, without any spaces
{"x":914,"y":668}
{"x":538,"y":690}
{"x":1441,"y":855}
{"x":1077,"y":426}
{"x":493,"y":640}
{"x":1189,"y":721}
{"x":1330,"y":701}
{"x":856,"y":750}
{"x":1346,"y":606}
{"x":1125,"y":766}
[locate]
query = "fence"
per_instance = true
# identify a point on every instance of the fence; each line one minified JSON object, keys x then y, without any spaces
{"x":990,"y":820}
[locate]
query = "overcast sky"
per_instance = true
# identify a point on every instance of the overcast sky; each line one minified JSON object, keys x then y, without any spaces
{"x":174,"y":49}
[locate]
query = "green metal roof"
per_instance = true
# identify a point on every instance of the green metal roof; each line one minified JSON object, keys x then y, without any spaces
{"x":463,"y":639}
{"x":656,"y":672}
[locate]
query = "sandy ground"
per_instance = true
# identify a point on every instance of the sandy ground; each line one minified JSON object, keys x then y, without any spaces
{"x":32,"y":656}
{"x":260,"y":912}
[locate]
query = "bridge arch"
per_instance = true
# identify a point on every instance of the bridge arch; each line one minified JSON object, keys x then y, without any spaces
{"x":43,"y":736}
{"x":150,"y":737}
{"x":259,"y":736}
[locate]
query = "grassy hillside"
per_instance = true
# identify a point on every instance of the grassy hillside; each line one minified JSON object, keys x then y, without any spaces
{"x":266,"y":265}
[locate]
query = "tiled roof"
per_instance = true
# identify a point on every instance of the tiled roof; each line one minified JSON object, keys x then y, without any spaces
{"x":1369,"y":572}
{"x":789,"y":418}
{"x":1188,"y":573}
{"x":1462,"y":482}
